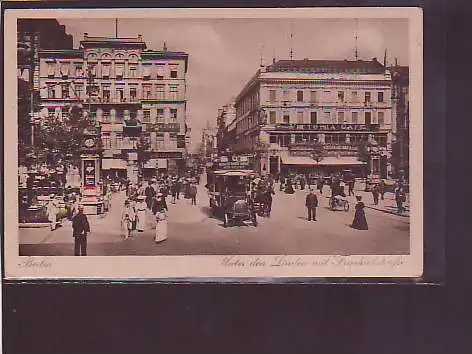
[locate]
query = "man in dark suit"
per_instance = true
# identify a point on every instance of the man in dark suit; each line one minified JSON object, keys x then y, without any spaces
{"x":80,"y":229}
{"x":311,"y":203}
{"x":150,"y":193}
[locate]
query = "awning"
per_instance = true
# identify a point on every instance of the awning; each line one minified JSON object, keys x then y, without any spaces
{"x":113,"y":164}
{"x":151,"y":163}
{"x":161,"y":163}
{"x":346,"y":160}
{"x":299,"y":160}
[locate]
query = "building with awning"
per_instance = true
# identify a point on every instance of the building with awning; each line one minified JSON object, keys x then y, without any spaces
{"x":341,"y":161}
{"x":299,"y":161}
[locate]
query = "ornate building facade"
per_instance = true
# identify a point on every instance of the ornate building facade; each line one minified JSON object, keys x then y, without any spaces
{"x":291,"y":106}
{"x":121,"y":83}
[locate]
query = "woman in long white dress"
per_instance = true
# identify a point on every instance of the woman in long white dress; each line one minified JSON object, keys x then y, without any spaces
{"x":52,"y":210}
{"x":141,"y":213}
{"x":161,"y":227}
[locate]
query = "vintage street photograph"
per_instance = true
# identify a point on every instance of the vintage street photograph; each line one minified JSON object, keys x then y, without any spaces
{"x":214,"y":136}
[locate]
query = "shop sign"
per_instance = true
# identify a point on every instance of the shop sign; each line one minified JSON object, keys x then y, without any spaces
{"x":329,"y":127}
{"x":233,"y":165}
{"x":167,"y":127}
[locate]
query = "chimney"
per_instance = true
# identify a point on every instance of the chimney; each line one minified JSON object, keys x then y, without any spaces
{"x":140,"y":37}
{"x":85,"y":35}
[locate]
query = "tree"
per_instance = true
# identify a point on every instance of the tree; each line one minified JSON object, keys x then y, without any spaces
{"x":318,"y":151}
{"x":61,"y":139}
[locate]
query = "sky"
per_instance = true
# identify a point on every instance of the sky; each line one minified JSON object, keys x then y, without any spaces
{"x":225,"y":53}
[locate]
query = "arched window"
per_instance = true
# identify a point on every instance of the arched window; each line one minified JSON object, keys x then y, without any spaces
{"x":133,"y":58}
{"x":92,"y":57}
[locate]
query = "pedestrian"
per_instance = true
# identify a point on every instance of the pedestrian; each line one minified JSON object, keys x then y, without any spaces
{"x":351,"y":184}
{"x":127,"y":218}
{"x":375,"y":193}
{"x":400,"y":198}
{"x":80,"y":230}
{"x":302,"y":182}
{"x":359,"y":222}
{"x":161,"y":226}
{"x":320,"y":184}
{"x":52,"y":211}
{"x":269,"y":191}
{"x":141,"y":213}
{"x":382,"y":189}
{"x":193,"y":193}
{"x":149,"y":193}
{"x":289,"y":187}
{"x":311,"y":204}
{"x":159,"y":204}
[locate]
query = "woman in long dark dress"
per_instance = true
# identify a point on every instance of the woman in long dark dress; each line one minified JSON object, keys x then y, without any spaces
{"x":359,"y":222}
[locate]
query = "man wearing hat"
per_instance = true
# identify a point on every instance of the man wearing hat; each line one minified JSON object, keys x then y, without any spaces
{"x":141,"y":213}
{"x":80,"y":229}
{"x":52,"y":210}
{"x":149,"y":193}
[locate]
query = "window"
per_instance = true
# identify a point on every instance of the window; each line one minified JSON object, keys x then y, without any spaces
{"x":147,"y":71}
{"x":327,"y":117}
{"x":285,"y":95}
{"x":380,"y":96}
{"x":381,"y":120}
{"x":313,"y":118}
{"x":64,"y":115}
{"x":106,"y":71}
{"x":65,"y":90}
{"x":119,"y":115}
{"x":312,"y":96}
{"x":160,"y":140}
{"x":284,"y":140}
{"x":340,"y":117}
{"x":273,"y":138}
{"x":147,"y":92}
{"x":335,"y":139}
{"x":367,"y":97}
{"x":299,"y":96}
{"x":173,"y":115}
{"x":64,"y":70}
{"x":354,"y":118}
{"x":146,"y":116}
{"x":132,"y":72}
{"x":51,"y":70}
{"x":106,"y":93}
{"x":119,"y":140}
{"x":106,"y":141}
{"x":160,"y":115}
{"x":173,"y":92}
{"x":161,"y":91}
{"x":119,"y":68}
{"x":327,"y":96}
{"x":272,"y":117}
{"x":106,"y":115}
{"x":133,"y":93}
{"x":341,"y":96}
{"x":79,"y":89}
{"x":120,"y":94}
{"x":286,"y":118}
{"x":93,"y":70}
{"x":300,"y":117}
{"x":160,"y":71}
{"x":368,"y":118}
{"x":272,"y":96}
{"x":173,"y":74}
{"x":355,"y":97}
{"x":79,"y":71}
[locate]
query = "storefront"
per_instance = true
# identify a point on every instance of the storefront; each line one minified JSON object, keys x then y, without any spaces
{"x":114,"y":168}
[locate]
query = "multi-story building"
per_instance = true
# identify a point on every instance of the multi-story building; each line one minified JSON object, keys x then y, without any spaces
{"x":291,"y":106}
{"x":33,"y":35}
{"x":209,"y":143}
{"x":400,"y":101}
{"x":226,"y":114}
{"x":119,"y":82}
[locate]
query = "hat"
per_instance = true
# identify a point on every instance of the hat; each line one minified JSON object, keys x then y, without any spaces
{"x":52,"y":195}
{"x":141,"y":197}
{"x":160,"y":194}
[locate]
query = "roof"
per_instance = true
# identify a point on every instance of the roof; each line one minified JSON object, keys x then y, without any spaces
{"x":327,"y":66}
{"x":233,"y":172}
{"x":112,"y":42}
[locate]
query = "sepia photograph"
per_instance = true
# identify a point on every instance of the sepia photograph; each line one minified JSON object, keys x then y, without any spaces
{"x":215,"y":143}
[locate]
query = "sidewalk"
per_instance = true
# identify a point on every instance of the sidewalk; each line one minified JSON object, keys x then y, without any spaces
{"x":388,"y":205}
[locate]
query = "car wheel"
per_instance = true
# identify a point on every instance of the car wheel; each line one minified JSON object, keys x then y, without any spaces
{"x":346,"y":207}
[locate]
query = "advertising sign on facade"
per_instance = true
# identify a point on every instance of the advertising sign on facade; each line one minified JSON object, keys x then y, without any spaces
{"x":89,"y":173}
{"x":329,"y":127}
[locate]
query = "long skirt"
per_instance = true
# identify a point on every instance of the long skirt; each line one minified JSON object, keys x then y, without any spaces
{"x":161,"y":231}
{"x":141,"y":224}
{"x":360,"y":222}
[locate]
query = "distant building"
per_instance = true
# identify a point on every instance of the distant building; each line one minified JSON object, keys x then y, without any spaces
{"x":226,"y":115}
{"x":209,"y":143}
{"x":289,"y":107}
{"x":120,"y":83}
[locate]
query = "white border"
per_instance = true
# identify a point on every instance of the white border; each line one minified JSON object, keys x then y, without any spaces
{"x":163,"y":267}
